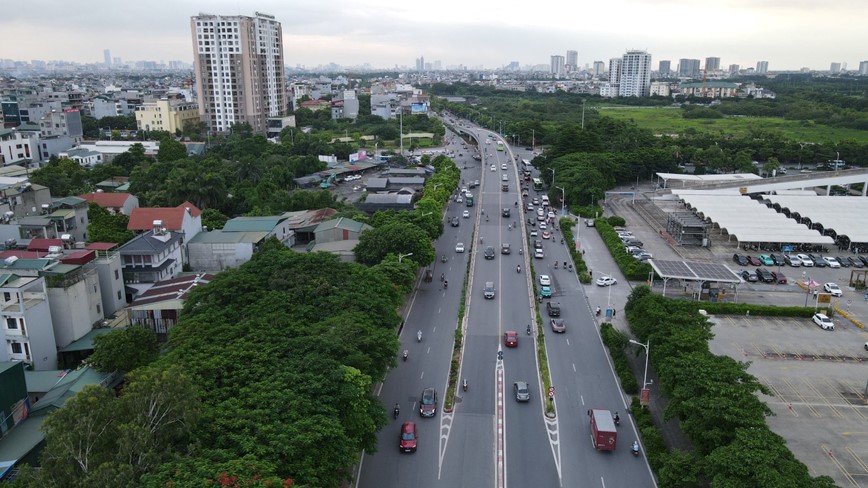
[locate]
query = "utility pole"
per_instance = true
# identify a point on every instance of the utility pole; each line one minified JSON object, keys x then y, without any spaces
{"x":583,"y":114}
{"x":401,"y":118}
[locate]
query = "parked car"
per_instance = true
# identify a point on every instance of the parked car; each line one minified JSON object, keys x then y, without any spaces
{"x":521,"y":391}
{"x":589,"y":223}
{"x":510,"y":338}
{"x":831,"y":262}
{"x":855,"y":262}
{"x":765,"y":275}
{"x":740,"y":259}
{"x":793,"y":260}
{"x":864,"y":260}
{"x":408,"y":437}
{"x":606,"y":281}
{"x":558,"y":325}
{"x":805,"y":260}
{"x":778,"y":259}
{"x":643,"y":256}
{"x":766,"y":260}
{"x":842,"y":260}
{"x":779,"y":277}
{"x":753,"y":261}
{"x":634,"y":242}
{"x":428,"y":403}
{"x":748,"y":275}
{"x":823,"y":321}
{"x":818,"y":260}
{"x":833,"y":289}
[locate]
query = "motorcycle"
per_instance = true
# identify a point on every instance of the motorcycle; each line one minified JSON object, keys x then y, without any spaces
{"x":464,"y":385}
{"x":520,"y":252}
{"x":635,"y":448}
{"x":598,"y":311}
{"x":419,"y":336}
{"x":405,"y":355}
{"x":443,"y":258}
{"x":445,"y":284}
{"x":562,"y":240}
{"x":396,"y":411}
{"x":556,"y":265}
{"x":616,"y":418}
{"x":528,"y":329}
{"x":518,"y":269}
{"x":442,"y":277}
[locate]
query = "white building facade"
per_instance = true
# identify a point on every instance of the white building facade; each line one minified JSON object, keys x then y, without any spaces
{"x":635,"y":79}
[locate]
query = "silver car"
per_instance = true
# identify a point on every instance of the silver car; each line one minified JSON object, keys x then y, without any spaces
{"x":522,"y":392}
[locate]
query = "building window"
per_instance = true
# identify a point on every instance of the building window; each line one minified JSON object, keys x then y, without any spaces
{"x":119,"y":294}
{"x":11,"y":323}
{"x":116,"y":274}
{"x":16,"y":347}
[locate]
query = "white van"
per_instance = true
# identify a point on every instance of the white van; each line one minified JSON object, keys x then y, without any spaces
{"x":545,"y":200}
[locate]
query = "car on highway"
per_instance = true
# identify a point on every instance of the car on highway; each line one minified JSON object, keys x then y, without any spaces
{"x":748,"y":275}
{"x":545,"y":280}
{"x":543,"y":226}
{"x":506,"y":212}
{"x":510,"y":338}
{"x":454,"y":221}
{"x":589,"y":223}
{"x":488,"y":291}
{"x":546,"y":291}
{"x":558,"y":325}
{"x":754,"y":261}
{"x":521,"y":391}
{"x":740,"y":259}
{"x":537,"y":244}
{"x":466,"y":214}
{"x":428,"y":403}
{"x":805,"y":260}
{"x":534,"y":233}
{"x":489,"y":252}
{"x":766,"y":260}
{"x":833,"y":289}
{"x":553,"y":309}
{"x":458,"y":199}
{"x":793,"y":261}
{"x":493,"y":168}
{"x":530,"y":207}
{"x":551,"y":215}
{"x":459,"y":247}
{"x":831,"y":262}
{"x":503,"y":166}
{"x":535,"y":201}
{"x":505,"y":248}
{"x":823,"y":321}
{"x":538,"y":254}
{"x":779,"y":277}
{"x":606,"y":281}
{"x":504,"y":177}
{"x":408,"y":437}
{"x":546,"y":235}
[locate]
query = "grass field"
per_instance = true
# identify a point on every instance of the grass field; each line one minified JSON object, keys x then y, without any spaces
{"x":667,"y":120}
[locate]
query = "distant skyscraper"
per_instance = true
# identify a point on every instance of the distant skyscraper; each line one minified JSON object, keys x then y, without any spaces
{"x":107,"y":57}
{"x":665,"y":67}
{"x":557,"y":67}
{"x":733,"y":69}
{"x":239,"y":70}
{"x":420,"y":63}
{"x":614,"y":71}
{"x":835,"y":68}
{"x":762,"y":67}
{"x":863,"y":68}
{"x":712,"y":64}
{"x":116,"y":61}
{"x":438,"y":65}
{"x":572,"y":60}
{"x":688,"y":68}
{"x":635,"y":79}
{"x":599,"y":68}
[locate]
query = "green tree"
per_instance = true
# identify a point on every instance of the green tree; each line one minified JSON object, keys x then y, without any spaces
{"x":395,"y":238}
{"x":213,"y":219}
{"x":64,"y":177}
{"x":104,"y":226}
{"x":171,"y":150}
{"x":124,"y":349}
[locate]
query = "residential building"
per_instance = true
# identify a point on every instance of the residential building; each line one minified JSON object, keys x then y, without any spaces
{"x":345,"y":106}
{"x":159,"y":308}
{"x":599,"y":68}
{"x":28,"y":334}
{"x":608,"y":90}
{"x":15,"y":147}
{"x":116,"y":203}
{"x":68,"y":217}
{"x":571,"y":61}
{"x":239,"y":70}
{"x":149,"y":258}
{"x":863,"y":68}
{"x":235,"y":244}
{"x":664,"y":68}
{"x":614,"y":71}
{"x":185,"y":219}
{"x":339,"y":236}
{"x":107,"y":57}
{"x":65,"y":122}
{"x":557,"y":65}
{"x":23,"y":198}
{"x":709,"y":89}
{"x":835,"y":68}
{"x":734,"y":69}
{"x":712,"y":64}
{"x":277,"y":124}
{"x":105,"y":106}
{"x":74,"y":297}
{"x":762,"y":67}
{"x":107,"y":263}
{"x":688,"y":68}
{"x":635,"y":79}
{"x":84,"y":157}
{"x":660,"y":89}
{"x":166,"y":114}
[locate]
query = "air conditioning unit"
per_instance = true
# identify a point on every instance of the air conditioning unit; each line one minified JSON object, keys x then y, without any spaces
{"x":66,"y":237}
{"x":10,"y":260}
{"x":55,"y":249}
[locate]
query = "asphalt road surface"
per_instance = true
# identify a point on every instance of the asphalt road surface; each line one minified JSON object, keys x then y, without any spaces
{"x":490,"y":439}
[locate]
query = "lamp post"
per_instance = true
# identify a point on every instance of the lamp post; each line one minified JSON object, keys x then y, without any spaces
{"x":402,"y":256}
{"x":563,"y":200}
{"x":553,"y":175}
{"x":647,"y":347}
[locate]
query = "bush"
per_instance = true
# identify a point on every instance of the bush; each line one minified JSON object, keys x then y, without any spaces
{"x":617,"y":341}
{"x":632,"y":268}
{"x":616,"y":221}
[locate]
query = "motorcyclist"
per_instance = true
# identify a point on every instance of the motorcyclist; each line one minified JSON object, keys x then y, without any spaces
{"x":419,"y":336}
{"x":617,"y":418}
{"x":518,"y":268}
{"x":516,"y":203}
{"x":405,"y":354}
{"x":635,"y":448}
{"x":442,"y":277}
{"x":520,"y":251}
{"x":397,"y":410}
{"x":556,"y":265}
{"x":445,"y":285}
{"x":528,"y":329}
{"x":465,"y":384}
{"x":598,"y":310}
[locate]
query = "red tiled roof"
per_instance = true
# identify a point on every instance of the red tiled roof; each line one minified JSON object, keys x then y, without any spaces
{"x":110,"y":200}
{"x":101,"y":246}
{"x":174,"y":289}
{"x":143,"y":218}
{"x":43,"y":244}
{"x":22,"y":254}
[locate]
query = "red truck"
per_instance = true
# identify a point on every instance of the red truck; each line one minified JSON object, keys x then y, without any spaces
{"x":604,"y":437}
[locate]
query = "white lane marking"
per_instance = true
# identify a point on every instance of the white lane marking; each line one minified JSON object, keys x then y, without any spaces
{"x":602,"y":482}
{"x":422,"y":375}
{"x":582,"y":398}
{"x":428,"y":351}
{"x":568,"y":342}
{"x":446,"y":420}
{"x":574,"y":367}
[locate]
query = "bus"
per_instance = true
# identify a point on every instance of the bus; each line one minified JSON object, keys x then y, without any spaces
{"x":500,"y":145}
{"x":468,"y":199}
{"x":537,"y":184}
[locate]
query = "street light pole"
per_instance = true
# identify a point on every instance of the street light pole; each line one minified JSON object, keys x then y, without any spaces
{"x":563,"y":200}
{"x":647,"y":353}
{"x":553,"y":175}
{"x":402,"y":256}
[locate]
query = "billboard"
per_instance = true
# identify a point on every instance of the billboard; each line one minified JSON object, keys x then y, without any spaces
{"x":419,"y":108}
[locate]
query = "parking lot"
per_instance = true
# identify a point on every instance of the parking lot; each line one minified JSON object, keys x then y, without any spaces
{"x":818,"y":379}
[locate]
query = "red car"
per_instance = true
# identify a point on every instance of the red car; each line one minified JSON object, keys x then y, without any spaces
{"x":408,"y":437}
{"x":779,"y":277}
{"x":511,"y":338}
{"x":753,"y":260}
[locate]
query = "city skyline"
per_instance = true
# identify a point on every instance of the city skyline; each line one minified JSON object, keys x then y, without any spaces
{"x":790,"y":35}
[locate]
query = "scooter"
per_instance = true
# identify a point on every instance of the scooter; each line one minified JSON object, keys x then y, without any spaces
{"x":598,"y":311}
{"x":396,"y":411}
{"x":405,"y":355}
{"x":635,"y":448}
{"x":419,"y":336}
{"x":528,"y":329}
{"x":464,"y":385}
{"x":518,"y":269}
{"x":616,"y":418}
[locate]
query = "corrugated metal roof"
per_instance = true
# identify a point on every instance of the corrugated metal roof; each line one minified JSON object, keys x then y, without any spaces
{"x":252,"y":224}
{"x":223,"y":237}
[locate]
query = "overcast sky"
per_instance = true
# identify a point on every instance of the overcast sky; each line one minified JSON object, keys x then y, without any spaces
{"x":789,"y":34}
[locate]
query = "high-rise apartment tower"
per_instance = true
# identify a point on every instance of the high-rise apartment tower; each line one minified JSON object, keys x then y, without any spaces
{"x":239,"y":70}
{"x":572,"y":59}
{"x":635,"y":79}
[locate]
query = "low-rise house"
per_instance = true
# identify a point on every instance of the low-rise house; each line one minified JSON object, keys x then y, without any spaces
{"x":186,"y":219}
{"x":116,"y":203}
{"x":235,"y":244}
{"x":84,"y":157}
{"x":159,"y":308}
{"x":149,"y":258}
{"x":28,"y":333}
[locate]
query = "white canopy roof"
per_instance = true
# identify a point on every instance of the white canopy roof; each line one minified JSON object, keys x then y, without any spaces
{"x":846,"y":215}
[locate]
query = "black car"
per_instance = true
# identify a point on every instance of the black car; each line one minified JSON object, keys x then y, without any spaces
{"x":864,"y":260}
{"x":765,"y":275}
{"x":553,"y":309}
{"x":818,"y":260}
{"x":537,"y":244}
{"x":489,"y":252}
{"x":844,"y":262}
{"x":455,"y":221}
{"x":505,"y":212}
{"x":855,"y":262}
{"x":748,"y":275}
{"x":634,"y":242}
{"x":428,"y":403}
{"x":778,"y":259}
{"x":740,"y":259}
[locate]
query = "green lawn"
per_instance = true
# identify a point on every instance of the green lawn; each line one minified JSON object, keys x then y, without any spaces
{"x":668,"y":120}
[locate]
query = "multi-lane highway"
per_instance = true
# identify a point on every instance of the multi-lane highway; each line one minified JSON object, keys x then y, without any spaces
{"x":490,"y":439}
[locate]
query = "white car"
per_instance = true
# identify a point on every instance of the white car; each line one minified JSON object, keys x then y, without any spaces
{"x":806,"y":260}
{"x":606,"y":281}
{"x":538,"y":253}
{"x":545,"y":280}
{"x":823,"y":321}
{"x":505,"y":177}
{"x":534,"y":233}
{"x":543,"y":226}
{"x":493,"y":168}
{"x":458,"y":199}
{"x":551,"y":215}
{"x":466,"y":214}
{"x":529,"y":207}
{"x":833,"y":289}
{"x":831,"y":262}
{"x":503,"y":166}
{"x":459,"y":247}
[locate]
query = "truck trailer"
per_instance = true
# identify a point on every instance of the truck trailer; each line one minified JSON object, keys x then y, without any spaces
{"x":604,"y":437}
